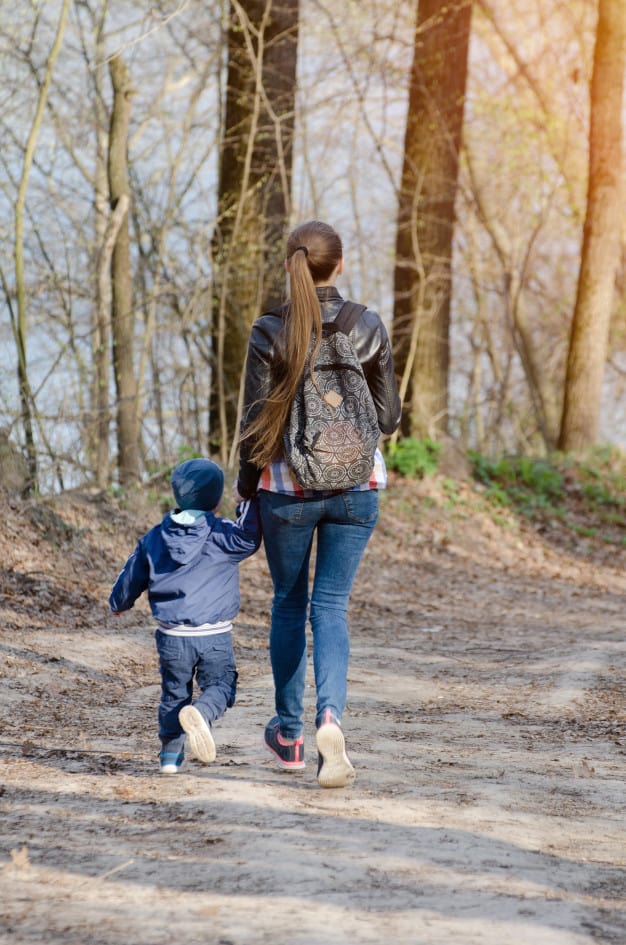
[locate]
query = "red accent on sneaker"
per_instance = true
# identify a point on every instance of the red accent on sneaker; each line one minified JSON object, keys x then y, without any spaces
{"x":289,"y":741}
{"x":288,"y":753}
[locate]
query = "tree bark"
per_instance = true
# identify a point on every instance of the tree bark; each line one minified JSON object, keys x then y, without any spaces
{"x":21,"y":331}
{"x":254,"y":192}
{"x":103,"y":331}
{"x":106,"y":234}
{"x":422,"y":278}
{"x":122,"y":314}
{"x":601,"y":236}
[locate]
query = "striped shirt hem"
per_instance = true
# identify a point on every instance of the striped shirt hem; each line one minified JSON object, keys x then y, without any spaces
{"x":204,"y":630}
{"x":277,"y":477}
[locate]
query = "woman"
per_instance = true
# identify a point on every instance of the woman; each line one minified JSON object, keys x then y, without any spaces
{"x":342,"y":521}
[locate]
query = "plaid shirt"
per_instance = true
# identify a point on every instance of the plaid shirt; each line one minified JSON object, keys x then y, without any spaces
{"x":277,"y":477}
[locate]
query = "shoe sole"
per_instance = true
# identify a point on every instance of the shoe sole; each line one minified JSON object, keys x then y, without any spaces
{"x":201,"y":744}
{"x":285,"y":765}
{"x":170,"y":769}
{"x":336,"y":769}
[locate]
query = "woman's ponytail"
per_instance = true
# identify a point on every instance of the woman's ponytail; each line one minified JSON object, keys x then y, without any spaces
{"x":313,"y":252}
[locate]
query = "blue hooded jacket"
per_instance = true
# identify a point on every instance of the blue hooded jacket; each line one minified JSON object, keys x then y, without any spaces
{"x":190,"y":570}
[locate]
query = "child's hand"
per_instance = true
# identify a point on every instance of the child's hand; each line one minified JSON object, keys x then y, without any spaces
{"x":236,"y":495}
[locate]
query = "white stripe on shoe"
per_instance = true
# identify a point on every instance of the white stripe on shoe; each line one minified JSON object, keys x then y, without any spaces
{"x":335,"y":769}
{"x":201,"y":744}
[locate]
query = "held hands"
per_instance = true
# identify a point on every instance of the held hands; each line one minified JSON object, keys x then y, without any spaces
{"x":236,"y":495}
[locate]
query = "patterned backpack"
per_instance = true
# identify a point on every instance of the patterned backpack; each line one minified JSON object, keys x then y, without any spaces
{"x":332,"y":432}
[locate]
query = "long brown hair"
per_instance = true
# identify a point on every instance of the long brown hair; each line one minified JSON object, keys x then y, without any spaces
{"x":313,"y":251}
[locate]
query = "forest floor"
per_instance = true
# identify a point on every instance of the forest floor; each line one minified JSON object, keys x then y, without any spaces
{"x":486,"y":723}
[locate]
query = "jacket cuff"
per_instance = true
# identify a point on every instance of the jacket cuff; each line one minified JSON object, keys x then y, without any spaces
{"x":248,"y":479}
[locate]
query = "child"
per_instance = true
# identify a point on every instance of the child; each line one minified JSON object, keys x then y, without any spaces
{"x":189,"y":566}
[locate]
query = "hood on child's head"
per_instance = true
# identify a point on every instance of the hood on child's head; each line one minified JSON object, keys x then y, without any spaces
{"x":198,"y":484}
{"x":185,"y":535}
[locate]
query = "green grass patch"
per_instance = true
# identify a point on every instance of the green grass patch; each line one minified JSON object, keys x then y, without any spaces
{"x":413,"y":458}
{"x":586,"y":494}
{"x":524,"y":483}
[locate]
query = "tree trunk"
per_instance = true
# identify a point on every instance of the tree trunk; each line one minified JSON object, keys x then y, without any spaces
{"x":422,"y":279}
{"x":600,"y":250}
{"x":103,"y":331}
{"x":26,"y":397}
{"x":254,"y":192}
{"x":106,"y":234}
{"x":122,"y":315}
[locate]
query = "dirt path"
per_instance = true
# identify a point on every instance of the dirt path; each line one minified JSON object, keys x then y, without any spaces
{"x":486,"y":724}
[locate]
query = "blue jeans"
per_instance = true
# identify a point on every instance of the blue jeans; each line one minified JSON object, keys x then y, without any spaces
{"x":343,"y":524}
{"x":211,"y":660}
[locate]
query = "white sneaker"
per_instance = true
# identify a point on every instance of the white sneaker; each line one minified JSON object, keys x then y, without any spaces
{"x":199,"y":738}
{"x":171,"y":762}
{"x":334,"y":768}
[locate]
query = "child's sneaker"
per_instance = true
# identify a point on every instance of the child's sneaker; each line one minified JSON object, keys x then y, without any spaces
{"x":333,"y":765}
{"x":201,"y":744}
{"x":287,"y":753}
{"x":171,"y":761}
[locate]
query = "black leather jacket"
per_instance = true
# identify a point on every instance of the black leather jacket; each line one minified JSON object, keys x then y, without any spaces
{"x":371,"y":343}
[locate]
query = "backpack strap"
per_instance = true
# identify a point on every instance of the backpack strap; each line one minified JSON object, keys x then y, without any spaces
{"x":348,"y":316}
{"x":344,"y":321}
